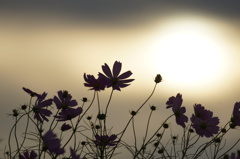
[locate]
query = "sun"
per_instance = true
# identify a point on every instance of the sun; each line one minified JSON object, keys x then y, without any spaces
{"x":188,"y":52}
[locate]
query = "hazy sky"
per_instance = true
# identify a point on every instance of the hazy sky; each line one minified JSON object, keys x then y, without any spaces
{"x":194,"y":45}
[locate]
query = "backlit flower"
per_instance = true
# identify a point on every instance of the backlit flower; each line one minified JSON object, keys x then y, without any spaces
{"x":65,"y":127}
{"x":113,"y":78}
{"x":105,"y":140}
{"x":203,"y":121}
{"x":175,"y":103}
{"x":73,"y":154}
{"x":27,"y":155}
{"x":95,"y":84}
{"x":40,"y":112}
{"x":68,"y":114}
{"x":201,"y":112}
{"x":206,"y":127}
{"x":236,"y":114}
{"x":30,"y":92}
{"x":64,"y":100}
{"x":52,"y":143}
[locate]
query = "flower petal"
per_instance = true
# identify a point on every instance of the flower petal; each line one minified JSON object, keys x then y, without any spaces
{"x":107,"y":70}
{"x":125,"y":75}
{"x":116,"y":68}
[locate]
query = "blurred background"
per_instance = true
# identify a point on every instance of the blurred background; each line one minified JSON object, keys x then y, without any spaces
{"x":194,"y":45}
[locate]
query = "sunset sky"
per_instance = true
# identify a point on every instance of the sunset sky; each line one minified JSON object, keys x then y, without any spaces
{"x":194,"y":45}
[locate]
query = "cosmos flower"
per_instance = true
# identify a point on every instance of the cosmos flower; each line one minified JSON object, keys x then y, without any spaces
{"x":113,"y":79}
{"x":234,"y":156}
{"x":73,"y":154}
{"x":206,"y":127}
{"x":64,"y":100}
{"x":96,"y":84}
{"x":236,"y":114}
{"x":26,"y":155}
{"x":203,"y":121}
{"x":30,"y":92}
{"x":65,"y":127}
{"x":39,"y":110}
{"x":105,"y":140}
{"x":201,"y":112}
{"x":68,"y":114}
{"x":52,"y":143}
{"x":175,"y":103}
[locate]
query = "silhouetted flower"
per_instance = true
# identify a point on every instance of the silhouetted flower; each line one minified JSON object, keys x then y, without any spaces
{"x":201,"y":113}
{"x":30,"y":92}
{"x":65,"y":127}
{"x":73,"y":154}
{"x":96,"y":84}
{"x":234,"y":156}
{"x":175,"y":103}
{"x":52,"y":143}
{"x":203,"y":121}
{"x":105,"y":140}
{"x":40,"y":112}
{"x":64,"y":100}
{"x":113,"y":78}
{"x":68,"y":114}
{"x":27,"y":155}
{"x":236,"y":114}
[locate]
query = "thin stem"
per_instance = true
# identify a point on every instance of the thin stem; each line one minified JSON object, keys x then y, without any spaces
{"x":147,"y":127}
{"x":124,"y":130}
{"x":79,"y":121}
{"x":153,"y":136}
{"x":15,"y":134}
{"x":134,"y":134}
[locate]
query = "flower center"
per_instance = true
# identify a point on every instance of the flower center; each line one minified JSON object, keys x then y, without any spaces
{"x":203,"y":125}
{"x":114,"y":81}
{"x":64,"y":106}
{"x":36,"y":110}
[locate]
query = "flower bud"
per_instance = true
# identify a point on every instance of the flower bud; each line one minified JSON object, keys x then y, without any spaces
{"x":84,"y":99}
{"x":101,"y":116}
{"x":158,"y":78}
{"x":153,"y":108}
{"x":23,"y":107}
{"x":133,"y":113}
{"x":165,"y":125}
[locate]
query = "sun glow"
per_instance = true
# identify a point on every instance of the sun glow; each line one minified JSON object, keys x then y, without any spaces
{"x":188,"y":52}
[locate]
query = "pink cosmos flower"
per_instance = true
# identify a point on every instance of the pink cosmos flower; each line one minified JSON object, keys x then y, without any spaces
{"x":73,"y":154}
{"x":30,"y":92}
{"x":203,"y":121}
{"x":39,"y":110}
{"x":105,"y":140}
{"x":52,"y":143}
{"x":68,"y":114}
{"x":236,"y":114}
{"x":201,"y":112}
{"x":65,"y":127}
{"x":64,"y":100}
{"x":27,"y":155}
{"x":113,"y":78}
{"x":234,"y":156}
{"x":96,"y":84}
{"x":175,"y":103}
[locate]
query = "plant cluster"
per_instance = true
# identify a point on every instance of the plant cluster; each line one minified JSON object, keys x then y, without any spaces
{"x":91,"y":137}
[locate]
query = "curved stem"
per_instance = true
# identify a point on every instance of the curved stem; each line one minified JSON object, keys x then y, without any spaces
{"x":79,"y":121}
{"x":124,"y":130}
{"x":152,"y":136}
